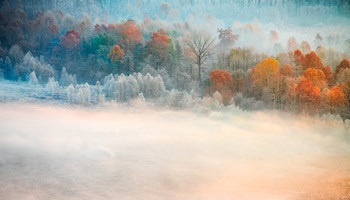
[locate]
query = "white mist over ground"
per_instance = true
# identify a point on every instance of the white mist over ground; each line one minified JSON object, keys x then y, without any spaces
{"x":58,"y":152}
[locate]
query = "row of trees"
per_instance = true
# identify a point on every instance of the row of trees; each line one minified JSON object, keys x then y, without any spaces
{"x":304,"y":84}
{"x":56,"y":46}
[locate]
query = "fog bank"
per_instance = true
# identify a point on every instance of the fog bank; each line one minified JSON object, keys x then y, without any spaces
{"x":56,"y":152}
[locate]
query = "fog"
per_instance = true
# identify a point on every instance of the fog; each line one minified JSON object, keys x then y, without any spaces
{"x":52,"y":151}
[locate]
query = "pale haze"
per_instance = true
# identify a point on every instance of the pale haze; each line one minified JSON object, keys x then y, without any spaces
{"x":55,"y":152}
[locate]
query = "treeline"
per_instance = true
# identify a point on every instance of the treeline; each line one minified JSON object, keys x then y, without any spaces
{"x":127,"y":60}
{"x":292,"y":82}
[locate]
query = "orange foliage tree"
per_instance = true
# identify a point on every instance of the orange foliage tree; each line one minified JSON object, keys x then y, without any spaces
{"x":222,"y":82}
{"x":335,"y":98}
{"x":130,"y":34}
{"x":263,"y":72}
{"x":309,"y":97}
{"x":158,"y":47}
{"x":315,"y":76}
{"x":116,"y":54}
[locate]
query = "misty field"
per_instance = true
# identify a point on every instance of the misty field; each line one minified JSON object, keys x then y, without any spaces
{"x":58,"y":152}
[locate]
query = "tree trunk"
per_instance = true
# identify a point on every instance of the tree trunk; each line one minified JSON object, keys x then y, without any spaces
{"x":199,"y":75}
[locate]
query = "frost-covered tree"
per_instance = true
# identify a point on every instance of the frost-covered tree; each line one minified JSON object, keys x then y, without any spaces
{"x":84,"y":95}
{"x":70,"y":92}
{"x":67,"y":79}
{"x":52,"y":87}
{"x":32,"y":78}
{"x":42,"y":70}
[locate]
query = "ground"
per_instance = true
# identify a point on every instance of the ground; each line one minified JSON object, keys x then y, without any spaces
{"x":54,"y":151}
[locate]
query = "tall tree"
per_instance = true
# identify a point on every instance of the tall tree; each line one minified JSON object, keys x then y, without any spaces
{"x":158,"y":47}
{"x":201,"y":46}
{"x":130,"y":34}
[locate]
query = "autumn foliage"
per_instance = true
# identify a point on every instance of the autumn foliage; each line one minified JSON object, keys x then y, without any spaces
{"x":116,"y":54}
{"x":328,"y":74}
{"x":70,"y":39}
{"x":286,"y":70}
{"x":309,"y":97}
{"x":335,"y":98}
{"x":298,"y":57}
{"x":344,"y":64}
{"x":158,"y":46}
{"x":315,"y":76}
{"x":222,"y":82}
{"x":130,"y":35}
{"x":311,"y":60}
{"x":263,"y":72}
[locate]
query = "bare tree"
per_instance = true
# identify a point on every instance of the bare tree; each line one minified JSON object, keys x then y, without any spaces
{"x":201,"y":45}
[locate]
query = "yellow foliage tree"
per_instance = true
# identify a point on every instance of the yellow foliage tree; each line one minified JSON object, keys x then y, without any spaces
{"x":264,"y":71}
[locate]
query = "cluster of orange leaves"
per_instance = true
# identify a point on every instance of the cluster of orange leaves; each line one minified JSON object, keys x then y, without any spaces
{"x":225,"y":83}
{"x":335,"y":97}
{"x":116,"y":54}
{"x":309,"y":96}
{"x":315,"y":76}
{"x":130,"y":35}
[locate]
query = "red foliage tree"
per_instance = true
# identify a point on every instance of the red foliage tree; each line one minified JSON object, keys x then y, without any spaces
{"x":70,"y":40}
{"x":312,"y":61}
{"x":309,"y":97}
{"x":329,"y":74}
{"x":158,"y":47}
{"x":298,"y":57}
{"x":344,"y":64}
{"x":222,"y":82}
{"x":130,"y":35}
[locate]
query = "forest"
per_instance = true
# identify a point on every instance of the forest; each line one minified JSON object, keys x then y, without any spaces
{"x":84,"y":62}
{"x":187,"y":99}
